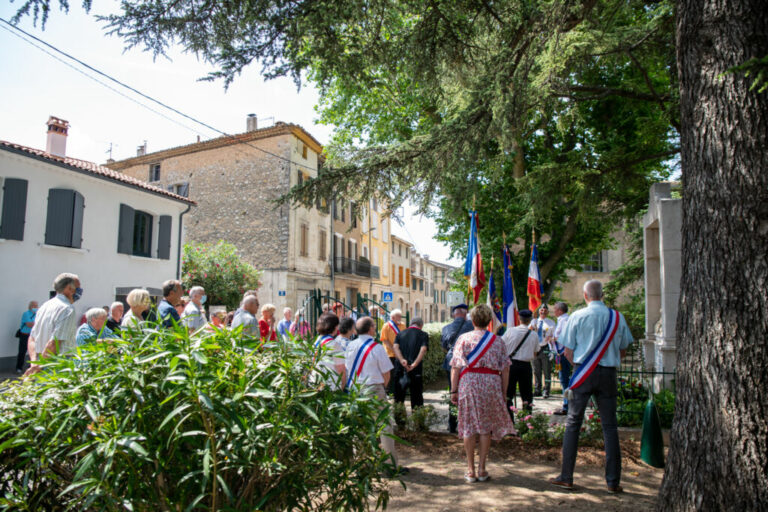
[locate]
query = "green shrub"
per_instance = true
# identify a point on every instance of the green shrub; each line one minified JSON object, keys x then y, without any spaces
{"x":433,"y":361}
{"x":423,"y":418}
{"x":162,"y":421}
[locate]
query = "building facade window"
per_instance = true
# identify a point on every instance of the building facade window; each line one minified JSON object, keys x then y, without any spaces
{"x":400,"y":275}
{"x":304,"y":240}
{"x":154,"y":172}
{"x":64,"y":222}
{"x":407,"y":277}
{"x":321,"y":245}
{"x":406,"y":253}
{"x":304,"y":151}
{"x":14,"y":209}
{"x":180,"y":189}
{"x":595,"y":264}
{"x":384,"y":264}
{"x":393,"y":247}
{"x":353,"y":214}
{"x":136,"y":233}
{"x":142,"y":234}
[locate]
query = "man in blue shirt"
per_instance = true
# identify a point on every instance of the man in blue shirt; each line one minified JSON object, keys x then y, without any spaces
{"x":27,"y":322}
{"x":93,"y":328}
{"x":285,"y":324}
{"x":451,"y":332}
{"x":166,"y":309}
{"x":582,"y":335}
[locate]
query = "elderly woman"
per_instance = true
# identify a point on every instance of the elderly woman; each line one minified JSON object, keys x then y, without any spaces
{"x":267,"y":323}
{"x":93,"y":328}
{"x":138,"y":302}
{"x":479,"y":375}
{"x":300,"y":328}
{"x":116,"y":311}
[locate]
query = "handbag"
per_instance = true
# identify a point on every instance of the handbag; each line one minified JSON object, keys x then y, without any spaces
{"x":19,"y":334}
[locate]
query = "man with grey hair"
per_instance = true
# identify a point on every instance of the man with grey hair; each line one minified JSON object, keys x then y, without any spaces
{"x":55,"y":322}
{"x":166,"y":309}
{"x":194,"y":314}
{"x":285,"y":324}
{"x":595,"y":340}
{"x":93,"y":328}
{"x":247,"y":317}
{"x":389,"y":332}
{"x":116,"y":311}
{"x":410,"y":348}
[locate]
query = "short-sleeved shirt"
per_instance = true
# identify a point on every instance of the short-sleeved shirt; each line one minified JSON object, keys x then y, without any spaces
{"x":264,"y":330}
{"x":193,"y":317}
{"x":249,"y":323}
{"x":389,"y":334}
{"x":542,"y":328}
{"x":410,"y":341}
{"x":130,"y":321}
{"x":27,"y":316}
{"x":332,"y":355}
{"x":376,"y":364}
{"x":86,"y":334}
{"x":512,"y":339}
{"x":343,"y":341}
{"x":283,"y":326}
{"x":585,"y":328}
{"x":562,"y":320}
{"x":167,"y":313}
{"x":55,"y":319}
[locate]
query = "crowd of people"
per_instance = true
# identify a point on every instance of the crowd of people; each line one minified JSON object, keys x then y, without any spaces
{"x":484,"y":369}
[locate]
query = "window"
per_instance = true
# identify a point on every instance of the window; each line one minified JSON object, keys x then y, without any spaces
{"x":407,"y":277}
{"x":64,"y":223}
{"x":384,"y":264}
{"x":393,"y":272}
{"x":375,"y":255}
{"x":384,"y":229}
{"x":181,"y":189}
{"x":343,"y":212}
{"x":393,"y":247}
{"x":415,"y":284}
{"x":406,"y":253}
{"x":374,"y":204}
{"x":304,"y":152}
{"x":321,"y":245}
{"x":400,"y":275}
{"x":135,"y":233}
{"x":300,"y":179}
{"x":154,"y":172}
{"x":595,"y":264}
{"x":335,"y":210}
{"x":365,"y":253}
{"x":304,"y":235}
{"x":14,"y":209}
{"x":374,"y":223}
{"x":399,"y":250}
{"x":353,"y":214}
{"x":321,"y":204}
{"x":421,"y":285}
{"x":142,"y":234}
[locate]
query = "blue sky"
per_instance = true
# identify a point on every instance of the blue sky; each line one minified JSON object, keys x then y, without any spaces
{"x":34,"y":85}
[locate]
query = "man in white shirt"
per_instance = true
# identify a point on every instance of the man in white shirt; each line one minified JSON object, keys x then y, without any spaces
{"x":194,"y":314}
{"x":368,"y":366}
{"x":561,"y":362}
{"x":521,"y":344}
{"x":55,"y":322}
{"x":541,"y":327}
{"x":247,"y":317}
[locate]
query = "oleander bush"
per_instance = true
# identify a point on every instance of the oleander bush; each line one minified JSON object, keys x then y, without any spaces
{"x":433,"y":360}
{"x":161,"y":421}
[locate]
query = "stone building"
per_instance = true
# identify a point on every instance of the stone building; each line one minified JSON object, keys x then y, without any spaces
{"x":440,"y":287}
{"x":401,"y":253}
{"x":375,"y":248}
{"x":235,"y":181}
{"x":601,"y":266}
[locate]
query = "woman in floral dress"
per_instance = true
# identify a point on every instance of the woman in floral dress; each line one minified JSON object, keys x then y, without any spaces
{"x":479,"y":391}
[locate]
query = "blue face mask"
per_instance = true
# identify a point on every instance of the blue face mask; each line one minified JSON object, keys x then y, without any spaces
{"x":34,"y":310}
{"x":203,"y":299}
{"x":77,"y":295}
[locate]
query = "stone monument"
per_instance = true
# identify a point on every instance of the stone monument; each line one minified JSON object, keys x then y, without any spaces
{"x":662,"y":245}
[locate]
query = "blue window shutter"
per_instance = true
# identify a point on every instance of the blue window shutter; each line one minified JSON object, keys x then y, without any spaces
{"x":77,"y":220}
{"x":125,"y":230}
{"x":14,"y":209}
{"x":58,"y":223}
{"x":164,"y":237}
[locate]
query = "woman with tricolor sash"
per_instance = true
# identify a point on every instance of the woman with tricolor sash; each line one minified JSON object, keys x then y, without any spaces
{"x":329,"y":353}
{"x":479,"y":375}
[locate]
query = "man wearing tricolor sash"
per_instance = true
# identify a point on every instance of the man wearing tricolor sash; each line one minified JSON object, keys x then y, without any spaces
{"x":389,"y":332}
{"x":368,"y":366}
{"x":595,"y":339}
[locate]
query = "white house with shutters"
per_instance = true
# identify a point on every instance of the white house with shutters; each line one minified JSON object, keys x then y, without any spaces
{"x":60,"y":214}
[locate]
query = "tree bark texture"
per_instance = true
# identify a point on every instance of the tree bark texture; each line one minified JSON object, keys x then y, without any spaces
{"x":718,"y":455}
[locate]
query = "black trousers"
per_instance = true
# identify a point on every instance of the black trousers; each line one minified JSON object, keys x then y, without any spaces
{"x":22,"y":355}
{"x":415,"y":386}
{"x":520,"y":373}
{"x":453,"y":420}
{"x":391,"y":385}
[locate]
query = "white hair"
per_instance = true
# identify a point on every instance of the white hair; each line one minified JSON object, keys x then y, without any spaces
{"x":593,"y":289}
{"x":395,"y":312}
{"x":94,"y":313}
{"x":287,"y":310}
{"x":63,"y":280}
{"x":250,"y":299}
{"x":195,"y":290}
{"x":114,"y":305}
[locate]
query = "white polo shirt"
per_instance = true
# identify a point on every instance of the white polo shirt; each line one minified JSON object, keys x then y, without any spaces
{"x":376,"y":364}
{"x":193,"y":317}
{"x":512,"y":338}
{"x":333,"y":354}
{"x":55,"y":319}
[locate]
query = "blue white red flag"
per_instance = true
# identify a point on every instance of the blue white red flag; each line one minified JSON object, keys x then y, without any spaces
{"x":534,"y":281}
{"x":493,"y":303}
{"x":473,"y":267}
{"x":511,"y":315}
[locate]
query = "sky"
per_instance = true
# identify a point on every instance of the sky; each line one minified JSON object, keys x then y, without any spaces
{"x":34,"y":85}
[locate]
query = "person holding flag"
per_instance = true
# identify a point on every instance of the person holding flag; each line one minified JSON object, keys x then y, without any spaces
{"x":479,"y":374}
{"x":511,"y":313}
{"x":473,"y":266}
{"x":595,"y":339}
{"x":389,"y":332}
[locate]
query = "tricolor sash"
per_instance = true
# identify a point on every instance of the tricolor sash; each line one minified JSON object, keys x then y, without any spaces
{"x":593,"y":358}
{"x":323,"y":340}
{"x":393,"y":326}
{"x":360,"y":357}
{"x":478,"y":352}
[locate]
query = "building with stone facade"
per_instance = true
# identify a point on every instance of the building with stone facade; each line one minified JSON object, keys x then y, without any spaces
{"x":401,"y":253}
{"x":236,"y":180}
{"x":376,"y":249}
{"x":440,"y":286}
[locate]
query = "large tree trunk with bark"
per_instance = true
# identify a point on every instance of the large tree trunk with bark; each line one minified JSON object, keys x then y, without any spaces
{"x":718,"y":456}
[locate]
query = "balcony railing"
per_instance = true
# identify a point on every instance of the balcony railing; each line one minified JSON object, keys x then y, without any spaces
{"x":356,"y":267}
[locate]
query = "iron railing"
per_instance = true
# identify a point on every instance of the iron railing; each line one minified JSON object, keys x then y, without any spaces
{"x":356,"y":267}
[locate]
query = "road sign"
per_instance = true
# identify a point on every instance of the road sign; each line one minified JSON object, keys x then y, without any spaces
{"x":386,"y":296}
{"x":281,"y":293}
{"x":454,"y":299}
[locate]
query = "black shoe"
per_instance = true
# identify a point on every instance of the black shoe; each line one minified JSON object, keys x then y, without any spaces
{"x":537,"y":393}
{"x":546,"y":395}
{"x":561,"y":412}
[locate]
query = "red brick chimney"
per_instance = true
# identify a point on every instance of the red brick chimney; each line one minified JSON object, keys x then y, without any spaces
{"x":57,"y":136}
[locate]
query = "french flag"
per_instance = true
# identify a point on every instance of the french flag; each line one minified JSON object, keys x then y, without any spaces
{"x":511,"y":315}
{"x":534,"y":281}
{"x":473,"y":267}
{"x":493,"y":303}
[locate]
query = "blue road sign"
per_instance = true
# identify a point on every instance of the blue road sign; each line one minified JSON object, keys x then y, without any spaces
{"x":386,"y":297}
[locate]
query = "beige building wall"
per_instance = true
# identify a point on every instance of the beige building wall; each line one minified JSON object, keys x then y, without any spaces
{"x":401,"y":254}
{"x":609,"y":260}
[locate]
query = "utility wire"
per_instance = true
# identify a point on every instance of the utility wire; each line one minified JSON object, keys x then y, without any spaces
{"x":146,"y":96}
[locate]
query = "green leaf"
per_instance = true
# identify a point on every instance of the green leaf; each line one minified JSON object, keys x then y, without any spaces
{"x":206,"y":401}
{"x":173,"y":414}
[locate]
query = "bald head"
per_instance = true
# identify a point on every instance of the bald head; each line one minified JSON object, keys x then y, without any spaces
{"x":593,"y":290}
{"x":365,"y":325}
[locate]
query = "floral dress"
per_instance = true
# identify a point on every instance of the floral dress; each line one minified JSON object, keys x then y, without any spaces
{"x":482,"y":406}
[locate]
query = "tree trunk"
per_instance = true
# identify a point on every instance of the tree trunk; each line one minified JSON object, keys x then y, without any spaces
{"x":718,"y":456}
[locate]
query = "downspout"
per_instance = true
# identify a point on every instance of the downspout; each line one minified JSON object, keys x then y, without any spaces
{"x":178,"y":248}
